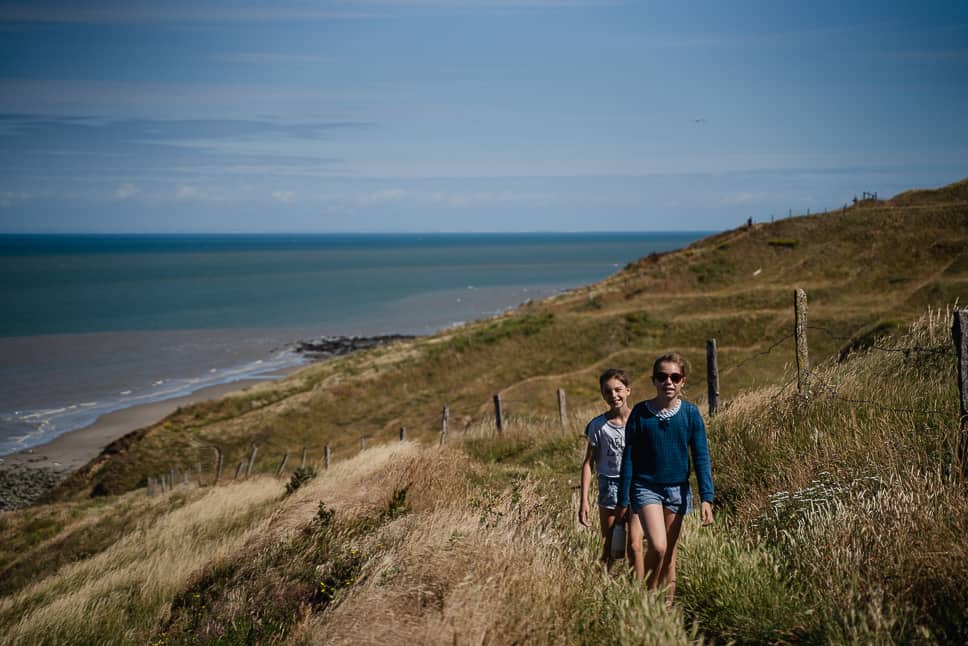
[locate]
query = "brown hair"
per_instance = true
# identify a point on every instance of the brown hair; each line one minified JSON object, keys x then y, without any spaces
{"x":612,"y":373}
{"x":672,"y":357}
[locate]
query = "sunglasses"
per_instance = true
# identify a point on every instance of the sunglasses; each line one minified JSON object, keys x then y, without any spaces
{"x":660,"y":377}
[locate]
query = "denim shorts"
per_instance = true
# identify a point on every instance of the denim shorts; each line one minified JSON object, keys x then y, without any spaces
{"x":677,"y":498}
{"x":607,"y":492}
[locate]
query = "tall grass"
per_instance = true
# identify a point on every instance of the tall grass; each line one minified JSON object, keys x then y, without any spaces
{"x":841,"y":520}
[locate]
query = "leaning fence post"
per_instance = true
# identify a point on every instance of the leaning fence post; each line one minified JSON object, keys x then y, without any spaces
{"x":562,"y":411}
{"x":218,"y":465}
{"x":498,"y":413}
{"x":403,"y":433}
{"x":327,"y":454}
{"x":302,"y":460}
{"x":238,"y":470}
{"x":282,"y":463}
{"x":959,"y":334}
{"x":800,"y":332}
{"x":712,"y":376}
{"x":248,"y":468}
{"x":444,"y":418}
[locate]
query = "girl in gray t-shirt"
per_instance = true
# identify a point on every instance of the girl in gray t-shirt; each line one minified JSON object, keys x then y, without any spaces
{"x":606,"y":441}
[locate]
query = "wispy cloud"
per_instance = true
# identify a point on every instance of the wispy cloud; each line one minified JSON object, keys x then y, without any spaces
{"x":174,"y":11}
{"x":269,"y":58}
{"x":383,"y":195}
{"x":458,"y":199}
{"x":126,"y":190}
{"x":8,"y":199}
{"x":85,"y":146}
{"x":187,"y":192}
{"x":183,"y":11}
{"x":285,"y":197}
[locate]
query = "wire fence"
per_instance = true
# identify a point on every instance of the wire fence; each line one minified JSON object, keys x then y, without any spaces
{"x":811,"y":385}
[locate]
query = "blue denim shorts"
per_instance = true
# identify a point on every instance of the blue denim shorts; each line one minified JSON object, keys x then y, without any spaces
{"x":607,"y":492}
{"x":677,"y":498}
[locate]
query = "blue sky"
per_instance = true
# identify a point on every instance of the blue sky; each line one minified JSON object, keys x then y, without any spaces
{"x":470,"y":115}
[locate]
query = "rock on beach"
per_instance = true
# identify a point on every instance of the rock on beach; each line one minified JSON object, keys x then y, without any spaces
{"x":334,"y":346}
{"x":21,"y":486}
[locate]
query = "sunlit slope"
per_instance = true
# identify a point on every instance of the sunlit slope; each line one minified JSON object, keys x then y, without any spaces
{"x":869,"y":267}
{"x":840,"y":519}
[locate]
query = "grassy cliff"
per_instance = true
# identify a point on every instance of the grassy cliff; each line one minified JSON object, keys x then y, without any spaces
{"x":840,"y":518}
{"x":866,"y":269}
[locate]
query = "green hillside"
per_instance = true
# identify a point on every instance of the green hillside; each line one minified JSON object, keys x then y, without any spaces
{"x":841,"y":516}
{"x":870,"y":267}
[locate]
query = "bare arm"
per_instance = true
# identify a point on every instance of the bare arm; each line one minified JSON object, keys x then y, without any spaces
{"x":586,"y":483}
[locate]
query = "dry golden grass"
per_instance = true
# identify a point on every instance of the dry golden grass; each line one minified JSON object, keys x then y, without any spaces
{"x":846,"y":526}
{"x":841,"y":519}
{"x":508,"y":567}
{"x":137,"y":574}
{"x":125,"y":589}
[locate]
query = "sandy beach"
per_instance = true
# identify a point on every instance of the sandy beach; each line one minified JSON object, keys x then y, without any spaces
{"x":74,"y":449}
{"x":27,"y":475}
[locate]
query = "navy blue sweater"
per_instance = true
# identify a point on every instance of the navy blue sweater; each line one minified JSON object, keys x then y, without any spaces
{"x":657,"y":451}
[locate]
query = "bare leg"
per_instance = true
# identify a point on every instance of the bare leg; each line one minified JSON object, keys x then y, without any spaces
{"x":606,"y":518}
{"x":653,"y":522}
{"x":673,"y":527}
{"x":636,"y":552}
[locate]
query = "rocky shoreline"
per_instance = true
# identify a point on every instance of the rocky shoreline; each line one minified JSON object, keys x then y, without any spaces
{"x":26,"y":477}
{"x":327,"y":347}
{"x":22,"y":486}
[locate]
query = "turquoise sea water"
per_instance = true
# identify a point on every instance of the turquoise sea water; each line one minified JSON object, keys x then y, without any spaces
{"x":93,"y":323}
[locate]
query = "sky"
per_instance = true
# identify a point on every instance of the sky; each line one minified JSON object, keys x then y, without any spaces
{"x":131,"y":116}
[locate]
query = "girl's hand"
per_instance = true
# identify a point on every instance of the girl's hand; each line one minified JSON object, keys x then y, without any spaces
{"x":583,"y":514}
{"x":706,"y":512}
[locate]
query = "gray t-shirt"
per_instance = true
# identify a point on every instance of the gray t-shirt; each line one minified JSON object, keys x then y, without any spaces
{"x":609,"y":442}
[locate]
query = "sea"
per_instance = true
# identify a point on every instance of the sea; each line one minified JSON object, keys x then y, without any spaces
{"x":91,"y":324}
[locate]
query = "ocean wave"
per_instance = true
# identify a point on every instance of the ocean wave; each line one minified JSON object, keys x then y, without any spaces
{"x":23,"y":429}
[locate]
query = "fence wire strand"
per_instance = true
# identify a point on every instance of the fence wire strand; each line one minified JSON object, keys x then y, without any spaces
{"x":910,"y":350}
{"x":821,"y":390}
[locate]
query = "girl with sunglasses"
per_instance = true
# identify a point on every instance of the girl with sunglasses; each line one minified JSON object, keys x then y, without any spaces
{"x":660,"y":435}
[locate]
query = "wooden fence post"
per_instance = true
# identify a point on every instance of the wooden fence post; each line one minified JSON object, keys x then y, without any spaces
{"x":959,"y":334}
{"x":248,"y":467}
{"x":171,"y":478}
{"x":151,"y":486}
{"x":327,"y":454}
{"x":238,"y":470}
{"x":403,"y":433}
{"x":444,"y":419}
{"x":800,"y":332}
{"x":562,"y":410}
{"x":282,"y":464}
{"x":302,"y":460}
{"x":185,"y":478}
{"x":362,"y":442}
{"x":498,"y":413}
{"x":198,"y":470}
{"x":712,"y":376}
{"x":218,"y":465}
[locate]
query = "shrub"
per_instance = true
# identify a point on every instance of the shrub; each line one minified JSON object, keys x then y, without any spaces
{"x":300,"y":476}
